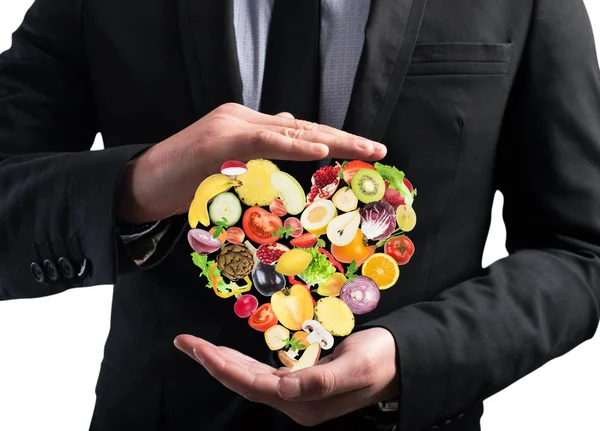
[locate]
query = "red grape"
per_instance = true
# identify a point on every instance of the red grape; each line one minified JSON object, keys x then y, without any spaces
{"x":245,"y":306}
{"x":278,"y":208}
{"x":235,"y":235}
{"x":294,"y":223}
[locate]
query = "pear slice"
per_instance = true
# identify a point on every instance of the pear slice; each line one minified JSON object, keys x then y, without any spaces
{"x":342,"y":229}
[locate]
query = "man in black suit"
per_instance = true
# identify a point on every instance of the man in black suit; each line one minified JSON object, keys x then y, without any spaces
{"x":468,"y":96}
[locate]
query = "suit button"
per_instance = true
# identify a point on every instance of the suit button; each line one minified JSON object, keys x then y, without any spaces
{"x":51,"y":270}
{"x":66,"y":269}
{"x":37,"y":272}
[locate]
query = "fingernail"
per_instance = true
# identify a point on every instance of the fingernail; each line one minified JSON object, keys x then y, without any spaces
{"x":380,"y":147}
{"x":176,"y":343}
{"x":289,"y":388}
{"x":198,"y":357}
{"x":365,"y":145}
{"x":319,"y":148}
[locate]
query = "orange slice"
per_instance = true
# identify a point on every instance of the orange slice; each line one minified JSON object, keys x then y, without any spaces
{"x":382,"y":269}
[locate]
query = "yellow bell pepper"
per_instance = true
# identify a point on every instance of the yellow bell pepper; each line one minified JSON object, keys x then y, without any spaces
{"x":233,"y":289}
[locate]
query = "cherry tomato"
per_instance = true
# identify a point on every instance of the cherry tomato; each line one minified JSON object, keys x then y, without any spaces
{"x":400,"y":248}
{"x":263,"y":318}
{"x":260,"y":225}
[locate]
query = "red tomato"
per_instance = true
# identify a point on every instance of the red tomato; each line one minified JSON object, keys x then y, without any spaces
{"x":400,"y":248}
{"x":263,"y":318}
{"x":260,"y":225}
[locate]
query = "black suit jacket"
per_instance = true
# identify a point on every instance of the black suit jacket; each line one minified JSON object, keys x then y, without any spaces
{"x":470,"y":96}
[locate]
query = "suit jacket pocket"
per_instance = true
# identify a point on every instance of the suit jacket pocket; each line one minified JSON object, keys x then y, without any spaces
{"x":461,"y":59}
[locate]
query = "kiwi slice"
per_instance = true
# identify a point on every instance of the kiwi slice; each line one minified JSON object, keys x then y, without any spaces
{"x":368,"y":186}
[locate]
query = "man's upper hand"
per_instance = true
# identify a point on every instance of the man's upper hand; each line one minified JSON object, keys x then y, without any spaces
{"x":161,"y":182}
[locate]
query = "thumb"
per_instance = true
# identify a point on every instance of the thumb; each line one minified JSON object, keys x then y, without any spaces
{"x":342,"y":374}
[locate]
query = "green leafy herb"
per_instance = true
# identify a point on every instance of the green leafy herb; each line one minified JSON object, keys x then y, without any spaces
{"x":220,"y":227}
{"x":285,"y":231}
{"x":292,"y":343}
{"x":320,"y":243}
{"x":351,"y":273}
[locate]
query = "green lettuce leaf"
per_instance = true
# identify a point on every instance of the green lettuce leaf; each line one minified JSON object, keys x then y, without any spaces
{"x":391,"y":174}
{"x":204,"y":264}
{"x":396,"y":179}
{"x":319,"y":270}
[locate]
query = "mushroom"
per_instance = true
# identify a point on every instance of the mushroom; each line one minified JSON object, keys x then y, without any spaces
{"x":292,"y":353}
{"x":317,"y":334}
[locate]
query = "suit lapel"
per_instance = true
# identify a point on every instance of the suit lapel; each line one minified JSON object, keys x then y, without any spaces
{"x":390,"y":38}
{"x":209,"y":48}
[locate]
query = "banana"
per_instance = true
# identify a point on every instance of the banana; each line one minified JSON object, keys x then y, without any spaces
{"x":193,"y":215}
{"x":208,"y":189}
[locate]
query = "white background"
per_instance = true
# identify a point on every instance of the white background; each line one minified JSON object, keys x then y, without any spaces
{"x":51,"y":348}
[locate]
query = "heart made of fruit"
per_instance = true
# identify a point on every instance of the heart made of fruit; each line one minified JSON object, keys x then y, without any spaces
{"x":313,"y":259}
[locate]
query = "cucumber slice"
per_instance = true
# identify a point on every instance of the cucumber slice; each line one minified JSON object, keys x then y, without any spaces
{"x":225,"y":205}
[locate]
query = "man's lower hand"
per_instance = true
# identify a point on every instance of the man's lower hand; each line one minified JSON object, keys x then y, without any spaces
{"x":360,"y":372}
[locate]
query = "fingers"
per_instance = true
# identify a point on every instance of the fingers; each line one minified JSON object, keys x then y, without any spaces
{"x":325,"y":360}
{"x":247,"y":362}
{"x":258,"y":387}
{"x":186,"y":343}
{"x":283,"y":137}
{"x":339,"y":376}
{"x":341,"y":146}
{"x":235,"y":371}
{"x":287,"y":120}
{"x":300,"y":145}
{"x":285,"y":115}
{"x":272,"y":145}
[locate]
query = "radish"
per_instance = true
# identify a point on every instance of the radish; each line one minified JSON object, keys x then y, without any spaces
{"x":232,"y":168}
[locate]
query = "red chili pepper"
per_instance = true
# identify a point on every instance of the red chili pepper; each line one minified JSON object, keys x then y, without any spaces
{"x":332,"y":260}
{"x":293,"y":280}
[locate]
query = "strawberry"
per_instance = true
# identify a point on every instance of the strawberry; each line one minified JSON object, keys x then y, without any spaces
{"x":270,"y":253}
{"x":306,"y":240}
{"x":393,"y":197}
{"x":350,"y":168}
{"x":324,"y":183}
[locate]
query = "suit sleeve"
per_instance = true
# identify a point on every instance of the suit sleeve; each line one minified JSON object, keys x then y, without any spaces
{"x":542,"y":300}
{"x":57,"y":227}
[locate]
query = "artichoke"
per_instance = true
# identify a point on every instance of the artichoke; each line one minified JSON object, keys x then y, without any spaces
{"x":235,"y":261}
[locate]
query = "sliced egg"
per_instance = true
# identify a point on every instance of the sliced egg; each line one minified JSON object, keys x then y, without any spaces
{"x":317,"y":216}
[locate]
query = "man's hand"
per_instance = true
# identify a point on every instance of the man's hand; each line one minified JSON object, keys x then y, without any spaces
{"x":162,"y":181}
{"x":361,"y":371}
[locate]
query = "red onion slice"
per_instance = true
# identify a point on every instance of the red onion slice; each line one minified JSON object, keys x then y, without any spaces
{"x":203,"y":242}
{"x":361,"y":294}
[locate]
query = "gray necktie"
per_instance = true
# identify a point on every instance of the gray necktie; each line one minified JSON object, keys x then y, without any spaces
{"x":342,"y":37}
